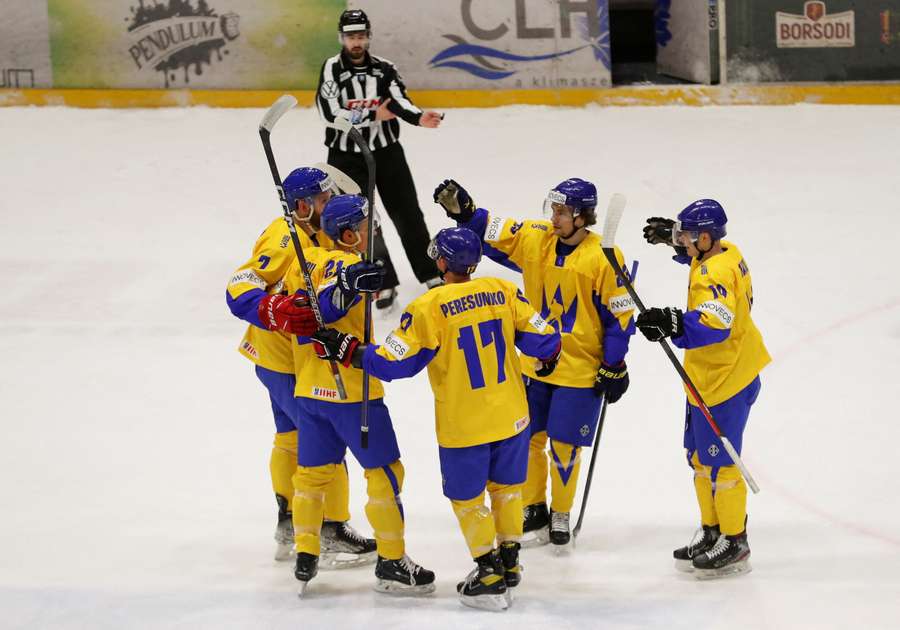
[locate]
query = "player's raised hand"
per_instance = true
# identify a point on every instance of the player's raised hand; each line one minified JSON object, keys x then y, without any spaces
{"x":658,"y":323}
{"x":431,"y":119}
{"x":330,"y":344}
{"x":612,"y":381}
{"x":659,"y":230}
{"x":455,"y":200}
{"x":287,"y":313}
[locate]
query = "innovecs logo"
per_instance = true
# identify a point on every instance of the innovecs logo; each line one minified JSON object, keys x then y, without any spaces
{"x":591,"y":30}
{"x":173,"y":35}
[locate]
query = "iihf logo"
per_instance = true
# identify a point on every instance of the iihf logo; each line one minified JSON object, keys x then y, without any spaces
{"x":713,"y":450}
{"x":585,"y":430}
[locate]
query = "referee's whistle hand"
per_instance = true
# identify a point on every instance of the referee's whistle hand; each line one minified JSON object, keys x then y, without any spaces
{"x":383,"y":113}
{"x":430,"y":119}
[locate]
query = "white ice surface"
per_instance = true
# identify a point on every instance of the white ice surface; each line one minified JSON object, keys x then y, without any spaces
{"x":134,"y":440}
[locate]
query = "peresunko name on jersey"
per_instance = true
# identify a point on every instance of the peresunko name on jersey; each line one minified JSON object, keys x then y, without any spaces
{"x":473,"y":301}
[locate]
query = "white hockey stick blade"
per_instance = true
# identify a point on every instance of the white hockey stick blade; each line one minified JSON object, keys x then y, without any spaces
{"x":340,"y":178}
{"x":343,"y":124}
{"x":740,"y":464}
{"x":276,"y":111}
{"x":613,"y":216}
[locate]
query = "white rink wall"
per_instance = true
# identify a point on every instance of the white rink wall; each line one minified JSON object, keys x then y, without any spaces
{"x":135,"y":439}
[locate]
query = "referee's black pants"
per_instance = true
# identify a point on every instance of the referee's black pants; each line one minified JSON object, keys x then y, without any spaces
{"x":398,"y":194}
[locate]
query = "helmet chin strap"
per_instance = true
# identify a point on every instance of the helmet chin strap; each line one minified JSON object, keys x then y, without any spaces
{"x":307,"y":219}
{"x":574,"y":230}
{"x":354,"y":243}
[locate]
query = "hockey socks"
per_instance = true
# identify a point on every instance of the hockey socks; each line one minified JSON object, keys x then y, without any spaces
{"x":535,"y":489}
{"x":722,"y":496}
{"x":337,"y":495}
{"x":564,"y":475}
{"x":283,"y":463}
{"x":310,"y":483}
{"x":384,"y":509}
{"x":477,"y":524}
{"x":506,"y":506}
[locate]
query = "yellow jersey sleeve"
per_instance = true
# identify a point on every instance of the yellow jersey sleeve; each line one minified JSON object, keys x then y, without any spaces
{"x":262,"y":273}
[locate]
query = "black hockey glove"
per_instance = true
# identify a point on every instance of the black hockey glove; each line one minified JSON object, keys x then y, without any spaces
{"x":545,"y":367}
{"x":333,"y":345}
{"x":658,"y":323}
{"x":361,"y":277}
{"x":612,"y":381}
{"x":455,"y":200}
{"x":659,"y":231}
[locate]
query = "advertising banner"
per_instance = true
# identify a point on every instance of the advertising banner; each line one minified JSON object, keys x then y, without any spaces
{"x":813,"y":40}
{"x":239,"y":44}
{"x":493,"y":44}
{"x":683,"y":43}
{"x":24,"y":45}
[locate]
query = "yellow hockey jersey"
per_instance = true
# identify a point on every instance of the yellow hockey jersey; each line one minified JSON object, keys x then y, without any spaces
{"x":724,"y":350}
{"x":467,"y":334}
{"x":272,"y":255}
{"x":314,"y":377}
{"x":576,"y":290}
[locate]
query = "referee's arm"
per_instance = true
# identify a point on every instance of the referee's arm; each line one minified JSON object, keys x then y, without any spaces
{"x":400,"y":105}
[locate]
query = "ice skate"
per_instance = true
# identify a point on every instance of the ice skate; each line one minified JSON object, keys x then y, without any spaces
{"x":284,"y":532}
{"x":306,"y":569}
{"x":403,"y":577}
{"x":559,"y":532}
{"x":703,"y":541}
{"x":344,"y":548}
{"x":536,"y":526}
{"x":385,"y":300}
{"x":485,"y":587}
{"x":729,"y":556}
{"x":512,"y":570}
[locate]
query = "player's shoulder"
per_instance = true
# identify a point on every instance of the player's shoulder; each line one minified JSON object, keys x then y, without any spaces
{"x":729,"y":263}
{"x":499,"y":226}
{"x":275,"y":236}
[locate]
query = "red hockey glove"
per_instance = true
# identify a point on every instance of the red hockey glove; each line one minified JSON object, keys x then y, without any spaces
{"x":288,"y":313}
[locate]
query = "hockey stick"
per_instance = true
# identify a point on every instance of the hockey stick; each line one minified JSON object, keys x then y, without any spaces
{"x":345,"y":125}
{"x":339,"y":177}
{"x":590,"y":474}
{"x":613,"y":216}
{"x":278,"y":109}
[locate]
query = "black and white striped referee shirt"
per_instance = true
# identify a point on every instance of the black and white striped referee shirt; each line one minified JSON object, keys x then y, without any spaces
{"x":355,"y":92}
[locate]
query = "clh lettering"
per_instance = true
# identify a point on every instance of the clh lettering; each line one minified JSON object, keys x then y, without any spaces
{"x":532,"y":28}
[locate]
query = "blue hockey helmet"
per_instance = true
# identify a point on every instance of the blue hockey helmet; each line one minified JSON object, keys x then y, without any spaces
{"x":577,"y":194}
{"x":343,"y":212}
{"x":459,"y":246}
{"x":305,"y":183}
{"x":704,"y":215}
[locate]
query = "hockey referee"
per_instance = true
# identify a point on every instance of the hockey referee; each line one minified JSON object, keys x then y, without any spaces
{"x":368,"y":91}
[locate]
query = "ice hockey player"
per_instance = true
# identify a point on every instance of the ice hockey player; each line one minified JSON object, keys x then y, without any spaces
{"x":723,"y":356}
{"x":565,"y":272}
{"x":466,"y":332}
{"x":255,"y":295}
{"x":330,"y":426}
